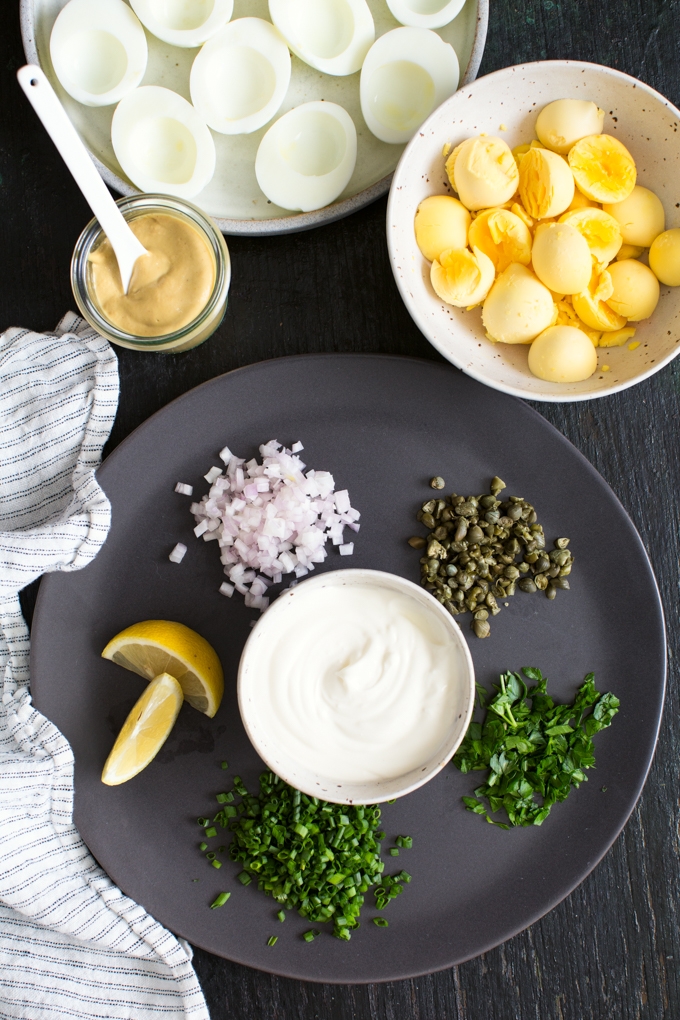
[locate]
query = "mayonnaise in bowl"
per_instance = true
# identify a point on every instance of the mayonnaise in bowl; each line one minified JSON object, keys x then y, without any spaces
{"x":356,"y":686}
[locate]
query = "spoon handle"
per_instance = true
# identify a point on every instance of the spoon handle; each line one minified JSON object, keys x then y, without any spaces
{"x":46,"y":104}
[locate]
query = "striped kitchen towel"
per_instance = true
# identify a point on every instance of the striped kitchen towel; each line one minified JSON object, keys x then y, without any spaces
{"x":71,"y":944}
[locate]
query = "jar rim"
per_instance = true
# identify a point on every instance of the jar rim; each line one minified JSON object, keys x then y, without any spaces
{"x":141,"y":203}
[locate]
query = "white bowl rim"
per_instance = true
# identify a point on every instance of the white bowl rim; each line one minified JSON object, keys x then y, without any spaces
{"x":395,"y":581}
{"x":515,"y":391}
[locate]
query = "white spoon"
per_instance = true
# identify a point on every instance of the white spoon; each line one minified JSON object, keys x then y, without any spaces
{"x":46,"y":104}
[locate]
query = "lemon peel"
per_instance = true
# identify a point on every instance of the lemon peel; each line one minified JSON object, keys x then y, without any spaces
{"x":164,"y":646}
{"x":145,"y":730}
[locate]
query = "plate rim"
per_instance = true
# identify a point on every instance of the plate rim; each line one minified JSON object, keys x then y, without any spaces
{"x":298,"y":222}
{"x":420,"y":320}
{"x":632,"y":800}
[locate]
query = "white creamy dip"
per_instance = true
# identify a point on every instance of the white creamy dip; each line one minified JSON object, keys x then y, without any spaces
{"x":355,"y":683}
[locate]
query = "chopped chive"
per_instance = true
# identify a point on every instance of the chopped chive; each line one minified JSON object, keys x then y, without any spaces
{"x":244,"y":878}
{"x":202,"y":846}
{"x":224,"y":765}
{"x":380,"y":835}
{"x":220,"y":900}
{"x":216,"y":864}
{"x":281,"y":915}
{"x":406,"y":842}
{"x":211,"y":856}
{"x":272,"y":940}
{"x":380,"y":922}
{"x":203,"y":821}
{"x":212,"y":831}
{"x":393,"y":801}
{"x":394,"y":852}
{"x":343,"y":933}
{"x":403,"y":876}
{"x":221,"y":849}
{"x":195,"y":879}
{"x":310,"y":935}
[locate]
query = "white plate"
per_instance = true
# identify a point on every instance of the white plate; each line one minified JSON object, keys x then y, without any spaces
{"x":233,"y":197}
{"x":646,"y":122}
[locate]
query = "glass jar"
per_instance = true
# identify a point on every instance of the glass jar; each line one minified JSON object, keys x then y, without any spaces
{"x":194,"y":332}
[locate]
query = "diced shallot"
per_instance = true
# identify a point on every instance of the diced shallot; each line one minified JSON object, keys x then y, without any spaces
{"x":184,"y":489}
{"x":177,"y":554}
{"x":271,"y":517}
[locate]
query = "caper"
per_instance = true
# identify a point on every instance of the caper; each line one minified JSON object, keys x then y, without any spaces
{"x":437,"y":482}
{"x":550,"y":591}
{"x":464,"y":581}
{"x":565,"y":571}
{"x":446,"y":592}
{"x":458,"y":596}
{"x":553,"y":571}
{"x":428,"y":507}
{"x":523,"y":568}
{"x":481,"y":614}
{"x":497,"y":485}
{"x":487,"y":502}
{"x":446,"y":515}
{"x":510,"y":589}
{"x":561,"y":543}
{"x":561,"y":582}
{"x":435,"y":548}
{"x":471,"y":604}
{"x":461,"y":531}
{"x":541,"y":582}
{"x":542,"y":563}
{"x":492,"y":516}
{"x":481,"y":628}
{"x":451,"y":569}
{"x":561,"y":557}
{"x":466,"y":509}
{"x":452,"y":608}
{"x":417,"y":542}
{"x":428,"y":520}
{"x":475,"y":534}
{"x":432,"y":564}
{"x":526,"y":584}
{"x":440,"y":533}
{"x":514,"y":512}
{"x":511,"y":572}
{"x":512,"y":547}
{"x":530,"y":557}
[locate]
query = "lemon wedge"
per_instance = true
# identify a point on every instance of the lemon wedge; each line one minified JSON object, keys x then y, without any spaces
{"x":162,"y":646}
{"x":144,"y":731}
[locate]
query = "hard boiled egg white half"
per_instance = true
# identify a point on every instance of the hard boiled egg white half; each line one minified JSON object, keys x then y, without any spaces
{"x":183,"y":22}
{"x":307,"y":157}
{"x":333,"y":36}
{"x":407,"y":73}
{"x":241,"y":76}
{"x":98,"y":50}
{"x":425,"y":13}
{"x":162,"y":143}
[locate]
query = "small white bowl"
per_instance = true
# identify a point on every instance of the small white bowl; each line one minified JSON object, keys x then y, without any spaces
{"x":98,"y":51}
{"x":279,"y":760}
{"x":425,"y":13}
{"x":506,"y":104}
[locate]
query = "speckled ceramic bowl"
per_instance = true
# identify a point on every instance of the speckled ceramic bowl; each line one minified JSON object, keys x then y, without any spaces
{"x":506,"y":103}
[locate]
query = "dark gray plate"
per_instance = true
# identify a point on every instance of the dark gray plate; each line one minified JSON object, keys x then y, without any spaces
{"x":383,"y":426}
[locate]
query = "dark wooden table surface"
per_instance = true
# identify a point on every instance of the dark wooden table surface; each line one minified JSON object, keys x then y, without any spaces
{"x":612,"y":949}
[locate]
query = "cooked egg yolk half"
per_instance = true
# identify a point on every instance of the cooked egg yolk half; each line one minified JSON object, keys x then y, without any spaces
{"x":546,"y":184}
{"x":441,"y":223}
{"x":562,"y":354}
{"x":503,"y":236}
{"x":518,"y":307}
{"x":640,"y":216}
{"x":461,"y":277}
{"x":603,"y":168}
{"x":635,"y":292}
{"x":664,"y":257}
{"x":564,"y":122}
{"x":561,"y":258}
{"x":483,"y":172}
{"x":600,"y":231}
{"x":591,"y":304}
